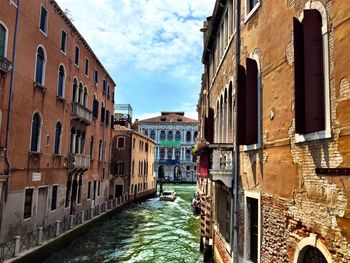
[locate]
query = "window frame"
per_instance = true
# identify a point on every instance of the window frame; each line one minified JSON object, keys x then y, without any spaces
{"x":60,"y":139}
{"x":44,"y":65}
{"x":95,"y":80}
{"x":39,"y":135}
{"x":65,"y":42}
{"x":6,"y":39}
{"x":46,"y":20}
{"x":118,"y":138}
{"x":63,"y":82}
{"x":76,"y":62}
{"x":87,"y":67}
{"x":249,"y":14}
{"x":24,"y":203}
{"x":327,"y":132}
{"x":51,"y":203}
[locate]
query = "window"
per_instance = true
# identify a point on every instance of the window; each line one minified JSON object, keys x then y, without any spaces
{"x":121,"y":142}
{"x":177,"y":154}
{"x":61,"y":81}
{"x":223,"y":210}
{"x":108,"y":90}
{"x":133,"y":167}
{"x":170,"y":136}
{"x":103,"y":112}
{"x":85,"y":97}
{"x":58,"y":136}
{"x":89,"y":191}
{"x":43,"y":20}
{"x":188,"y":154}
{"x":54,"y":197}
{"x":92,"y":147}
{"x":107,"y":118}
{"x":249,"y":104}
{"x":251,"y":6}
{"x":252,"y":227}
{"x":63,"y":41}
{"x":94,"y":192}
{"x":77,"y":55}
{"x":95,"y":106}
{"x":162,"y":136}
{"x":153,"y":135}
{"x":3,"y":38}
{"x":133,"y":143}
{"x":95,"y":76}
{"x":40,"y":66}
{"x":120,"y":168}
{"x":28,"y":200}
{"x":178,"y":136}
{"x":161,"y":153}
{"x":312,"y":112}
{"x":86,"y":67}
{"x":104,"y":86}
{"x":36,"y":133}
{"x":98,"y":188}
{"x":170,"y":153}
{"x":100,"y":150}
{"x":75,"y":90}
{"x":81,"y":94}
{"x":195,"y":134}
{"x":188,"y":136}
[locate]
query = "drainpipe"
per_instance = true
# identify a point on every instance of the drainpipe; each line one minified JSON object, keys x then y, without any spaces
{"x":235,"y":145}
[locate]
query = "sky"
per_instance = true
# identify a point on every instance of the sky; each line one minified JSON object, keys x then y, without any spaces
{"x":151,"y":48}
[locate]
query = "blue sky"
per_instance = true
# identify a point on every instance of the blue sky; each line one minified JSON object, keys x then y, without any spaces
{"x":151,"y":48}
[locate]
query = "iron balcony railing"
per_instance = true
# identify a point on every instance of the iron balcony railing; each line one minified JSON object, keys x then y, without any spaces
{"x":78,"y":161}
{"x":81,"y":113}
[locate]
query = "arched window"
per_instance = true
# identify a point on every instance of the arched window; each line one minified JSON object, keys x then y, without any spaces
{"x":178,"y":136}
{"x":310,"y":254}
{"x":153,"y":135}
{"x":85,"y":99}
{"x":170,"y":135}
{"x":3,"y":37}
{"x":188,"y":154}
{"x":103,"y":112}
{"x":170,"y":153}
{"x":177,"y":154}
{"x":80,"y":94}
{"x":36,"y":133}
{"x":121,"y":143}
{"x":195,"y":134}
{"x":95,"y":107}
{"x":40,"y":66}
{"x":82,"y":143}
{"x":161,"y":153}
{"x":92,"y":147}
{"x":58,"y":136}
{"x":61,"y":81}
{"x":230,"y":113}
{"x":75,"y":90}
{"x":188,"y":136}
{"x":162,"y":136}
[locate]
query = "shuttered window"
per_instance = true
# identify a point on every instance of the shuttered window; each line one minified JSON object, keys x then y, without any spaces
{"x":95,"y":108}
{"x":209,"y":126}
{"x":2,"y":40}
{"x":309,"y":74}
{"x":247,"y":93}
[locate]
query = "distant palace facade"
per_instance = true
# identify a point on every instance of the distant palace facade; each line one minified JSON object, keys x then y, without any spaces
{"x":175,"y":136}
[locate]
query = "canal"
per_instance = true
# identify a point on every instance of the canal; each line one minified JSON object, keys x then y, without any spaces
{"x":150,"y":231}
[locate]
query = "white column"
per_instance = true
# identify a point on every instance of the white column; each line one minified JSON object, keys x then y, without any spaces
{"x":173,"y":153}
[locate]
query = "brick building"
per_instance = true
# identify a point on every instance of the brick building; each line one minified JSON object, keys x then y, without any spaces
{"x":56,"y":129}
{"x":132,"y":164}
{"x":276,"y":86}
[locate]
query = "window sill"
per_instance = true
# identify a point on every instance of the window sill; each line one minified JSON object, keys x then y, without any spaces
{"x":251,"y":147}
{"x":58,"y":156}
{"x":320,"y":135}
{"x":60,"y":99}
{"x":63,"y":52}
{"x":39,"y":86}
{"x":251,"y":12}
{"x":43,"y":32}
{"x":35,"y":154}
{"x":76,"y":65}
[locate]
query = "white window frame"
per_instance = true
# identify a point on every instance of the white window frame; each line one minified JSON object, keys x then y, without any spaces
{"x":54,"y":142}
{"x":36,"y":61}
{"x":46,"y":22}
{"x":40,"y":132}
{"x":64,"y":80}
{"x":65,"y":44}
{"x":253,"y":195}
{"x":75,"y":53}
{"x":6,"y":38}
{"x":327,"y":132}
{"x":258,"y":145}
{"x":248,"y":14}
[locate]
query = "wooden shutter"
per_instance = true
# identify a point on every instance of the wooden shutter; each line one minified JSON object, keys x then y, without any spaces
{"x":251,"y":102}
{"x":299,"y":87}
{"x":209,"y":126}
{"x":314,"y":72}
{"x":241,"y":91}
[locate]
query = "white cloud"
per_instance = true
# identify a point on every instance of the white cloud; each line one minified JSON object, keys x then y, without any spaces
{"x":155,"y":35}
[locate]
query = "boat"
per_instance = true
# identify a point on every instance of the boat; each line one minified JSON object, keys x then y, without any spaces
{"x":168,"y":195}
{"x":196,"y":203}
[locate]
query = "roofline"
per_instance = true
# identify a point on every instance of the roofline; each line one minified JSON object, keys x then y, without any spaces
{"x":81,"y":38}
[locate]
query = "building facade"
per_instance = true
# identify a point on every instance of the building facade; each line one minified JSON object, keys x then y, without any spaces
{"x":276,"y":88}
{"x":175,"y":136}
{"x":56,"y":99}
{"x":132,"y":164}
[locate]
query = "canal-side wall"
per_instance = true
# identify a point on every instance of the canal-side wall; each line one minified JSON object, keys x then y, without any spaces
{"x":142,"y":195}
{"x":70,"y":230}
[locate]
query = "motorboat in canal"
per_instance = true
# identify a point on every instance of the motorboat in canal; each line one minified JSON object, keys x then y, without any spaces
{"x":167,"y":195}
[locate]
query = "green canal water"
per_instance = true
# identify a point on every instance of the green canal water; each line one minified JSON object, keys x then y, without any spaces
{"x":151,"y":231}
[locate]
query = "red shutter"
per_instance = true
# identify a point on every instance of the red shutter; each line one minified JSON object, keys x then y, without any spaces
{"x":299,"y":88}
{"x":314,"y":73}
{"x":251,"y":102}
{"x":209,"y":126}
{"x":241,"y":105}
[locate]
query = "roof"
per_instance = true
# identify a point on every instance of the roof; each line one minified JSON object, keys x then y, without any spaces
{"x":170,"y":117}
{"x":120,"y":128}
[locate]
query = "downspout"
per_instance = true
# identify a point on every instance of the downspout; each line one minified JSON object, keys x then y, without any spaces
{"x":208,"y":98}
{"x":235,"y":145}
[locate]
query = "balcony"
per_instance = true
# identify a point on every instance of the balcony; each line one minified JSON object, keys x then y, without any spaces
{"x":81,"y":114}
{"x":5,"y":65}
{"x":222,"y":163}
{"x":78,"y":162}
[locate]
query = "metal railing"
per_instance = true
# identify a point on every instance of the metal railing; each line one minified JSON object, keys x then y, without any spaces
{"x":19,"y":244}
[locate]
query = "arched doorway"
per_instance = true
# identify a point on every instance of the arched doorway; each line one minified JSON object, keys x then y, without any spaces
{"x":310,"y":254}
{"x":177,"y":173}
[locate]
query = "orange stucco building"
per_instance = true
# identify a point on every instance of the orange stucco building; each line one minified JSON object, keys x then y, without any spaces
{"x":56,"y":129}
